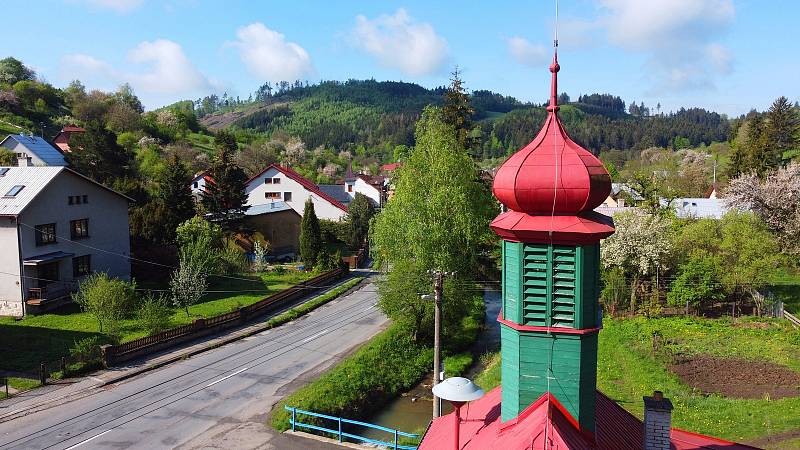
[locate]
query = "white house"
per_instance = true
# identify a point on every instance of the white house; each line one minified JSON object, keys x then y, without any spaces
{"x":33,"y":150}
{"x":282,"y":184}
{"x":200,"y":184}
{"x":699,"y":208}
{"x":56,"y":226}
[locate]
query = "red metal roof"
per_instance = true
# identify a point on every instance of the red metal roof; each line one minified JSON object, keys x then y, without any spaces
{"x":552,"y":174}
{"x":391,"y":167}
{"x":305,"y":182}
{"x":72,"y":128}
{"x":615,"y":429}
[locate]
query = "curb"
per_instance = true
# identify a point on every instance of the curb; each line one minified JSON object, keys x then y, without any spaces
{"x":226,"y":341}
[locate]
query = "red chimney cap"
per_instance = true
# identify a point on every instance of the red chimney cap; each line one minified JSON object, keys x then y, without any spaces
{"x":552,"y":174}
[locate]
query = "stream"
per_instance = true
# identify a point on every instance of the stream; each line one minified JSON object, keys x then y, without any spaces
{"x":413,"y":409}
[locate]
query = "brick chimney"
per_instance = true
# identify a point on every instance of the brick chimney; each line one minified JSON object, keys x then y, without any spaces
{"x":657,"y":422}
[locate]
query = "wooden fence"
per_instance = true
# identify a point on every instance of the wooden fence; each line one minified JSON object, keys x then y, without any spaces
{"x":114,"y":354}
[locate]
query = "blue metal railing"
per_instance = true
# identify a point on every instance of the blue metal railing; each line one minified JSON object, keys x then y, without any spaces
{"x":341,"y":435}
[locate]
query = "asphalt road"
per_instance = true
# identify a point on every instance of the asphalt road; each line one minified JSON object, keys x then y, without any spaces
{"x":218,"y":399}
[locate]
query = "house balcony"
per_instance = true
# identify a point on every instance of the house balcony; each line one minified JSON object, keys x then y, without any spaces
{"x":52,"y":295}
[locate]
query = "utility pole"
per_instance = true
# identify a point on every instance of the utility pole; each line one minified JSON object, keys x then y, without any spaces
{"x":438,"y":277}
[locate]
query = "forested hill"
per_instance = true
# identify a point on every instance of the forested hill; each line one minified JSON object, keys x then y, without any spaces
{"x":373,"y":114}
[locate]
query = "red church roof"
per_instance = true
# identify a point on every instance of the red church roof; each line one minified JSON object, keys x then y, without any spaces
{"x":552,"y":176}
{"x":616,"y":429}
{"x":305,"y":182}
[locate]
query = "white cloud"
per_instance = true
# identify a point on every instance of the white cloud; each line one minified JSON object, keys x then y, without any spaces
{"x":170,"y":71}
{"x":268,"y":55}
{"x":160,"y":73}
{"x":399,"y":42}
{"x":677,"y":36}
{"x":524,"y":52}
{"x":120,"y":6}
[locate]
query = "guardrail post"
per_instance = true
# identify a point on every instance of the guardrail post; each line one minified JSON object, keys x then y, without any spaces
{"x":340,"y":430}
{"x":5,"y":381}
{"x":294,"y":417}
{"x":64,"y":366}
{"x":395,"y":439}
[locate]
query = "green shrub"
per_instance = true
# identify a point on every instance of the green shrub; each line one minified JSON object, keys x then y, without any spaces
{"x":154,"y":314}
{"x":86,"y":350}
{"x":109,"y":300}
{"x":457,"y":365}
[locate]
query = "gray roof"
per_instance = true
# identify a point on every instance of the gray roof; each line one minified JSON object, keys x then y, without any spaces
{"x":336,"y":191}
{"x":34,"y":145}
{"x":267,"y":208}
{"x":34,"y":179}
{"x":616,"y":188}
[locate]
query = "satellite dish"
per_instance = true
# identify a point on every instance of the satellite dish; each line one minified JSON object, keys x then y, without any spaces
{"x":458,"y":389}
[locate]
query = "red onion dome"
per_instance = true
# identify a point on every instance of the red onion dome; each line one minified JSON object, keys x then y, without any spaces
{"x":552,"y":174}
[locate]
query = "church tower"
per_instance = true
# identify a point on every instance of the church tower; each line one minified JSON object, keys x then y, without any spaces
{"x":551,"y":257}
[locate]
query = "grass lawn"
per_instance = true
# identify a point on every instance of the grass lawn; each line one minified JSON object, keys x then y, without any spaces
{"x":48,"y":337}
{"x":787,"y":288}
{"x":627,"y":370}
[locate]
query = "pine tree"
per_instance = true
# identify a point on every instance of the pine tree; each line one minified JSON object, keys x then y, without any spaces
{"x":99,"y":156}
{"x":782,"y":128}
{"x":760,"y":158}
{"x":175,"y":193}
{"x":360,"y":211}
{"x":310,"y":236}
{"x":457,"y":110}
{"x":225,"y":198}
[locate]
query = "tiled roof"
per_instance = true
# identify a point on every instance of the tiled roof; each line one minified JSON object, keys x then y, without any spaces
{"x":39,"y":147}
{"x":72,"y":128}
{"x":306,"y":183}
{"x":615,"y":429}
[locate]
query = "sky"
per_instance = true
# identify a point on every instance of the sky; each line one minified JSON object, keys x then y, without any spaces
{"x":724,"y":55}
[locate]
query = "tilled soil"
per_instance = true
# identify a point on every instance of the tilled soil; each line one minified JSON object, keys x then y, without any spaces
{"x":738,"y":378}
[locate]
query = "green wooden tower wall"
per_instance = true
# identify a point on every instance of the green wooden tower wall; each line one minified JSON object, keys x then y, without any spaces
{"x":547,"y":285}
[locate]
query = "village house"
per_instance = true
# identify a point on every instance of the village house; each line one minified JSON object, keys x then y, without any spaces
{"x":56,"y":226}
{"x":372,"y":186}
{"x":62,"y":138}
{"x":698,"y":208}
{"x":199,"y":184}
{"x":279,"y":224}
{"x":33,"y":150}
{"x":281,"y":184}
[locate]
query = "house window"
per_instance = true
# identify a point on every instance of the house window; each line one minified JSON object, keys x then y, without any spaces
{"x":85,"y":199}
{"x":81,"y":265}
{"x":194,"y":185}
{"x":276,"y":181}
{"x":77,"y":199}
{"x":79,"y":229}
{"x":287,"y":196}
{"x":349,"y":188}
{"x":14,"y":190}
{"x":71,"y":200}
{"x":267,"y":180}
{"x":3,"y":171}
{"x":45,"y":234}
{"x":272,"y":195}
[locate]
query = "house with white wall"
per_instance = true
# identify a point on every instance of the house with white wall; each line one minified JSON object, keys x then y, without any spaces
{"x":56,"y":227}
{"x":33,"y":150}
{"x":281,"y":184}
{"x":200,"y":183}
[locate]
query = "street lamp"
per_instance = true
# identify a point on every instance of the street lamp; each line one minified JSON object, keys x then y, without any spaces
{"x":457,"y":391}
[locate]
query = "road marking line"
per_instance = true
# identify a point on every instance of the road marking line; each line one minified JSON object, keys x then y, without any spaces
{"x":226,"y":377}
{"x":310,"y":338}
{"x":90,"y":439}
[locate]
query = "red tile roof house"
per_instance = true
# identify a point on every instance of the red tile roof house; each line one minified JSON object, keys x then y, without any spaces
{"x":550,"y":318}
{"x":62,"y":138}
{"x":281,"y":184}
